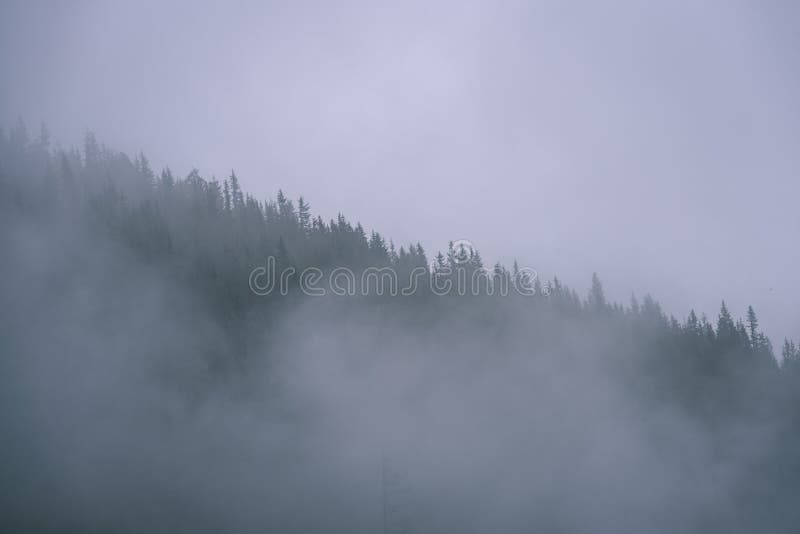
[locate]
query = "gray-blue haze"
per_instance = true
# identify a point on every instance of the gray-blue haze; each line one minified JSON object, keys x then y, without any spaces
{"x":654,"y":143}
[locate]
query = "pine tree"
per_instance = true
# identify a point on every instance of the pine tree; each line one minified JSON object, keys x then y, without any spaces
{"x":726,"y":328}
{"x":476,"y":261}
{"x":597,"y":299}
{"x":143,"y":166}
{"x":167,"y":180}
{"x":790,"y":353}
{"x":377,"y":248}
{"x":237,"y":198}
{"x":440,"y":263}
{"x":303,"y":214}
{"x":752,"y":326}
{"x":226,"y":195}
{"x":422,"y":259}
{"x":693,"y":325}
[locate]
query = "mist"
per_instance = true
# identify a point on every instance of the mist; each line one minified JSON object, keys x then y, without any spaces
{"x":113,"y":421}
{"x":147,"y":385}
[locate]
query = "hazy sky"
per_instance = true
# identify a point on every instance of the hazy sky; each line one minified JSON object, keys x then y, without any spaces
{"x":658,"y":145}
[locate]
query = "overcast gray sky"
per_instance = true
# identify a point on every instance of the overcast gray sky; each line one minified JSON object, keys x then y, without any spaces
{"x":657,"y":144}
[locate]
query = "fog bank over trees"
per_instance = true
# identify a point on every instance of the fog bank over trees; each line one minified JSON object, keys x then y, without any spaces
{"x":145,"y":387}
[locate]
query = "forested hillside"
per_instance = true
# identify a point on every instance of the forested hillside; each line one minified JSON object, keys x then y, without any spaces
{"x":146,"y":386}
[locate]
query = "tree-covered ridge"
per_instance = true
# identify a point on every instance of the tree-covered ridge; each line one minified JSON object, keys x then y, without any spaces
{"x":209,"y":235}
{"x":196,"y":240}
{"x":217,"y":234}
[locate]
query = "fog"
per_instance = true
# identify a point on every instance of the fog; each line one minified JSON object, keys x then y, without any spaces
{"x":346,"y":419}
{"x":144,"y":385}
{"x":640,"y":141}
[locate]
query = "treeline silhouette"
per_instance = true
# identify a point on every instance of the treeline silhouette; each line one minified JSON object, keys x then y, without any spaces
{"x":206,"y":235}
{"x":216,"y":233}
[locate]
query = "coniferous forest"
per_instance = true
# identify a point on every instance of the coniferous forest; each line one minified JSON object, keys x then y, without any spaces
{"x":146,"y":387}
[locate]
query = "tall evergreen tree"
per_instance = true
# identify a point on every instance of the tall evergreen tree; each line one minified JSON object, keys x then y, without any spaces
{"x":597,"y":298}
